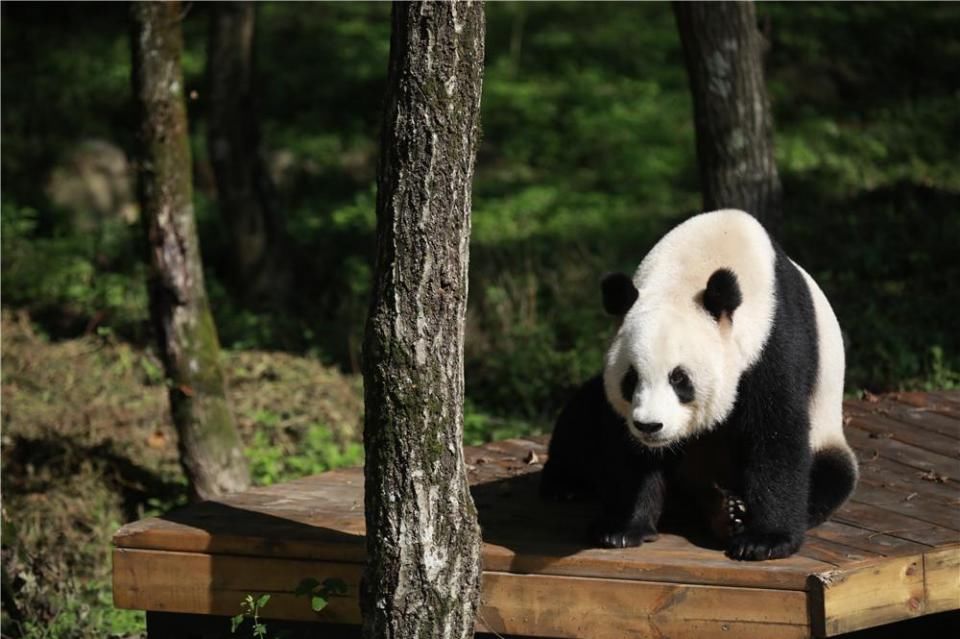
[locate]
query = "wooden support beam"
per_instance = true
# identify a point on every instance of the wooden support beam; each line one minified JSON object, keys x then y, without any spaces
{"x":540,"y":605}
{"x":875,"y":593}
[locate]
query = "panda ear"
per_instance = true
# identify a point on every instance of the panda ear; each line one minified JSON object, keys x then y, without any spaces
{"x":619,"y":293}
{"x":722,"y":295}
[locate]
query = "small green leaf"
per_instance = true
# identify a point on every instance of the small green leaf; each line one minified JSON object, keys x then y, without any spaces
{"x":306,"y":586}
{"x":260,"y":630}
{"x":318,"y":603}
{"x":262,"y":601}
{"x":235,"y":623}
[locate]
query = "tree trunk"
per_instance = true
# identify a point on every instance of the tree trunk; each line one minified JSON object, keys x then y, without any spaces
{"x":210,"y":449}
{"x":245,"y":192}
{"x":723,"y":52}
{"x":423,"y":539}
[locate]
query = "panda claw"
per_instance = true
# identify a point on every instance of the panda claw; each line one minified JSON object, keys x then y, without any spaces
{"x":761,"y":546}
{"x":736,"y":513}
{"x":622,"y":537}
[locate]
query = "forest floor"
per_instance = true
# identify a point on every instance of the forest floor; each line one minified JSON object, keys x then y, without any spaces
{"x":87,"y":445}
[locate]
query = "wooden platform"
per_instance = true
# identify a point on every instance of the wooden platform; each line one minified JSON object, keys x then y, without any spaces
{"x":890,"y":554}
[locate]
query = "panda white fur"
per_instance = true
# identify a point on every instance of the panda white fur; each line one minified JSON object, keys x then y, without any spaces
{"x":720,"y":397}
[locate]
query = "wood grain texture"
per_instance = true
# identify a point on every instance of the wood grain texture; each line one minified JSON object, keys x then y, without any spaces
{"x":870,"y":594}
{"x":604,"y":608}
{"x":514,"y":604}
{"x":941,"y":580}
{"x":891,"y":553}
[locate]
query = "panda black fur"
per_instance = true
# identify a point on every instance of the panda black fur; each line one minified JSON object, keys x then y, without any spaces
{"x":721,"y":395}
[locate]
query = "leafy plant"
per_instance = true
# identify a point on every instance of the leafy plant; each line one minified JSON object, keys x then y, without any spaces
{"x":277,"y":456}
{"x":251,"y":607}
{"x":320,"y":592}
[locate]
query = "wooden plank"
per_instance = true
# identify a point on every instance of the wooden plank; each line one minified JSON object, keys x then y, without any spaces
{"x":917,"y":417}
{"x":827,"y":551}
{"x":871,"y":491}
{"x":314,"y":519}
{"x":865,"y":540}
{"x":868,"y":595}
{"x":670,"y":559}
{"x":951,"y":399}
{"x":941,"y":579}
{"x":216,"y":584}
{"x":883,"y":522}
{"x":906,"y":480}
{"x":515,"y":604}
{"x":868,"y":448}
{"x":607,"y":609}
{"x":877,"y":424}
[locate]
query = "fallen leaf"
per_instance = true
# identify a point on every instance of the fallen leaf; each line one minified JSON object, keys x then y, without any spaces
{"x":157,"y":439}
{"x":531,"y":458}
{"x":870,"y":397}
{"x":934,"y":476}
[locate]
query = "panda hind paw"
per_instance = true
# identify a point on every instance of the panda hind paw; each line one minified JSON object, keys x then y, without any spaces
{"x":622,"y":537}
{"x":762,"y":546}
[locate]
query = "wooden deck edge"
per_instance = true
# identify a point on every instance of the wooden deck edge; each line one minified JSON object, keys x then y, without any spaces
{"x":941,"y":580}
{"x":876,"y":592}
{"x":538,"y":605}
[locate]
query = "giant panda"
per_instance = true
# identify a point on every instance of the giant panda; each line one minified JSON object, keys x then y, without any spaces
{"x":720,"y":397}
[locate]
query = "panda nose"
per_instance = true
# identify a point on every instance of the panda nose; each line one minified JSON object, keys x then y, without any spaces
{"x":648,"y":427}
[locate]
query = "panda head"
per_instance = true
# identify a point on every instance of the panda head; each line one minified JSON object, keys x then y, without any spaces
{"x":667,"y":371}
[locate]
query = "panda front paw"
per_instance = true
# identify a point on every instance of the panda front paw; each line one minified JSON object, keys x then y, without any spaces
{"x":606,"y":536}
{"x":761,"y":546}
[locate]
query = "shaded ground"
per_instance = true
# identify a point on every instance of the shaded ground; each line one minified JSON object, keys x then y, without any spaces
{"x":87,"y":446}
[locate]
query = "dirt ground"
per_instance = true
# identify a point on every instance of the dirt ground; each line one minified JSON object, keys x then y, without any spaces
{"x":87,"y":445}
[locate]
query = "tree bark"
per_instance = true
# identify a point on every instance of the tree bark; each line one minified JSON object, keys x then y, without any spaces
{"x":723,"y":52}
{"x":423,"y":540}
{"x":210,"y":449}
{"x":245,"y":192}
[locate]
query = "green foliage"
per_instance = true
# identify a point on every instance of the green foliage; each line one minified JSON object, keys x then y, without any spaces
{"x":280,"y":456}
{"x":76,"y":276}
{"x":587,"y":156}
{"x":88,"y":605}
{"x":250,"y":608}
{"x":320,"y":593}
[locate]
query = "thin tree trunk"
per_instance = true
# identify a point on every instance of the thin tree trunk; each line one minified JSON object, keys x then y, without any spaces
{"x":210,"y":449}
{"x":734,"y":128}
{"x":246,"y":197}
{"x":423,"y":539}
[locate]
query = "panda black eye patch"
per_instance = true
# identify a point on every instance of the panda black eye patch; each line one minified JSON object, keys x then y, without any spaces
{"x":628,"y":385}
{"x":682,"y":385}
